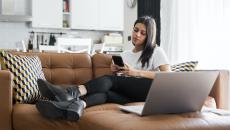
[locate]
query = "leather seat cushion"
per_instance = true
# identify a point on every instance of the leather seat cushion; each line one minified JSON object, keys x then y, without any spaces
{"x":108,"y":116}
{"x":26,"y":117}
{"x":103,"y":107}
{"x":118,"y":120}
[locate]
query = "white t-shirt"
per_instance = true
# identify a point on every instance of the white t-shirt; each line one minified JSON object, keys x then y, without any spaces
{"x":158,"y":58}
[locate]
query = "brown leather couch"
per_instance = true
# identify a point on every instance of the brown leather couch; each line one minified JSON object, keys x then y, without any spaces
{"x":79,"y":68}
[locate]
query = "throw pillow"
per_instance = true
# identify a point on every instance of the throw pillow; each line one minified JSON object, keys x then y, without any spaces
{"x":26,"y":71}
{"x":1,"y":62}
{"x":186,"y":66}
{"x":2,"y":65}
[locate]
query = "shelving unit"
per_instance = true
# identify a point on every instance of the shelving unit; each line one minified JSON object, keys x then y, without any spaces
{"x":66,"y":14}
{"x":96,"y":15}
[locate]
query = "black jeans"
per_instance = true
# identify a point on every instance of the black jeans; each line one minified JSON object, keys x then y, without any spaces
{"x":117,"y":89}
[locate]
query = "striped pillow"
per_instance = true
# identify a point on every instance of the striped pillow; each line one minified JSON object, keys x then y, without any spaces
{"x":26,"y":71}
{"x":186,"y":66}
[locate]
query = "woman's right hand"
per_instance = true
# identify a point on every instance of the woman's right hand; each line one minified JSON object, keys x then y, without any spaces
{"x":114,"y":68}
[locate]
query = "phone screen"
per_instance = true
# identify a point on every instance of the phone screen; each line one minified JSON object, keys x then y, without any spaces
{"x":118,"y":61}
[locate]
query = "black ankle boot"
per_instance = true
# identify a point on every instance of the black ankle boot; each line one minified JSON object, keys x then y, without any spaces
{"x":57,"y":93}
{"x":68,"y":110}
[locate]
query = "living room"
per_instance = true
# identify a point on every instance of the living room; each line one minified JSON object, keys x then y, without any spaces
{"x":56,"y":31}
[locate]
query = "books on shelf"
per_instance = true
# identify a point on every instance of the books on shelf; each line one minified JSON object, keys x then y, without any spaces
{"x":65,"y":5}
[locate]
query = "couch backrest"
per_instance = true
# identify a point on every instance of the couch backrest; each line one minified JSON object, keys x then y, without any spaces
{"x":65,"y":68}
{"x":101,"y":64}
{"x":78,"y":68}
{"x":72,"y":68}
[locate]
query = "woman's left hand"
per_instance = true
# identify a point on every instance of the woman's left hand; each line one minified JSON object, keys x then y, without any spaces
{"x":128,"y":70}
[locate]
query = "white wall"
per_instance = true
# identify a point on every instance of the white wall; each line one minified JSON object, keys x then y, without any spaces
{"x":10,"y":33}
{"x":13,"y":32}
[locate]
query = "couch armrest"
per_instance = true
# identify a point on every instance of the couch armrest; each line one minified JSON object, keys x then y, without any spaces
{"x":6,"y":79}
{"x":221,"y":90}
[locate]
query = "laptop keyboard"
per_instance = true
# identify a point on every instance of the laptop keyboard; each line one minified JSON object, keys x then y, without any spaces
{"x":136,"y":109}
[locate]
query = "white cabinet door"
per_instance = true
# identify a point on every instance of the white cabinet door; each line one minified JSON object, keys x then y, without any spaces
{"x":47,"y":13}
{"x":84,"y":14}
{"x":111,"y":15}
{"x":97,"y":14}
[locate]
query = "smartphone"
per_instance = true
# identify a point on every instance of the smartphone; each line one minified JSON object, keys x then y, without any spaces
{"x":118,"y":61}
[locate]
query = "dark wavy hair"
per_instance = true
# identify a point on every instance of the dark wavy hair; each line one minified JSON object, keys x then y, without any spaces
{"x":150,"y":41}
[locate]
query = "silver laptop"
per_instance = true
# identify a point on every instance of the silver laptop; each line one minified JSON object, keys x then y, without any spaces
{"x":176,"y":92}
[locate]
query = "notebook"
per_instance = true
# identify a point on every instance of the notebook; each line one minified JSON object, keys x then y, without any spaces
{"x":176,"y":92}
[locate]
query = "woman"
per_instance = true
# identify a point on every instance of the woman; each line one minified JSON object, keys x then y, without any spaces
{"x":140,"y":65}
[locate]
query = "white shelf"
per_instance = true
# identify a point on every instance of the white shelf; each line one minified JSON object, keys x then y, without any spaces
{"x":64,"y":28}
{"x":66,"y":13}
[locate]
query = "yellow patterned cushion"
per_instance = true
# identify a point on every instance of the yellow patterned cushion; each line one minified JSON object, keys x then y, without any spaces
{"x":26,"y":71}
{"x":186,"y":66}
{"x":2,"y":65}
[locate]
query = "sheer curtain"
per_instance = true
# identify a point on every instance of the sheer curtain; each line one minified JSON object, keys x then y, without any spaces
{"x":196,"y":30}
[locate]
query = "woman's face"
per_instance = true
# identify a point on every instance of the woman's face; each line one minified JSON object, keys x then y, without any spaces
{"x":139,"y":34}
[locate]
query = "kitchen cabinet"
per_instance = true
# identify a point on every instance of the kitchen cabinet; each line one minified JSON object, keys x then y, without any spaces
{"x":66,"y":14}
{"x":47,"y":13}
{"x":84,"y":14}
{"x":111,"y":15}
{"x":15,"y":11}
{"x":97,"y":14}
{"x":79,"y":14}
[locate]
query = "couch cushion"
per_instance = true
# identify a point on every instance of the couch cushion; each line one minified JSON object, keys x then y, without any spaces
{"x":102,"y":107}
{"x":118,"y":120}
{"x":26,"y":117}
{"x":65,"y":68}
{"x":26,"y":71}
{"x":2,"y":65}
{"x":101,"y":64}
{"x":186,"y":66}
{"x":105,"y":116}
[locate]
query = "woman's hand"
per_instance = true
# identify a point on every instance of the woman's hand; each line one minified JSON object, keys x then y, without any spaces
{"x":114,"y":68}
{"x":126,"y":70}
{"x":129,"y":71}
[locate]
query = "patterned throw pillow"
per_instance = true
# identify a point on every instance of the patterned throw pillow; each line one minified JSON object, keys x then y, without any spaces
{"x":26,"y":71}
{"x":2,"y":65}
{"x":186,"y":66}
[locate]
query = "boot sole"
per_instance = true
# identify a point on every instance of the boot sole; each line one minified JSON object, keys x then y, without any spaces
{"x":51,"y":110}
